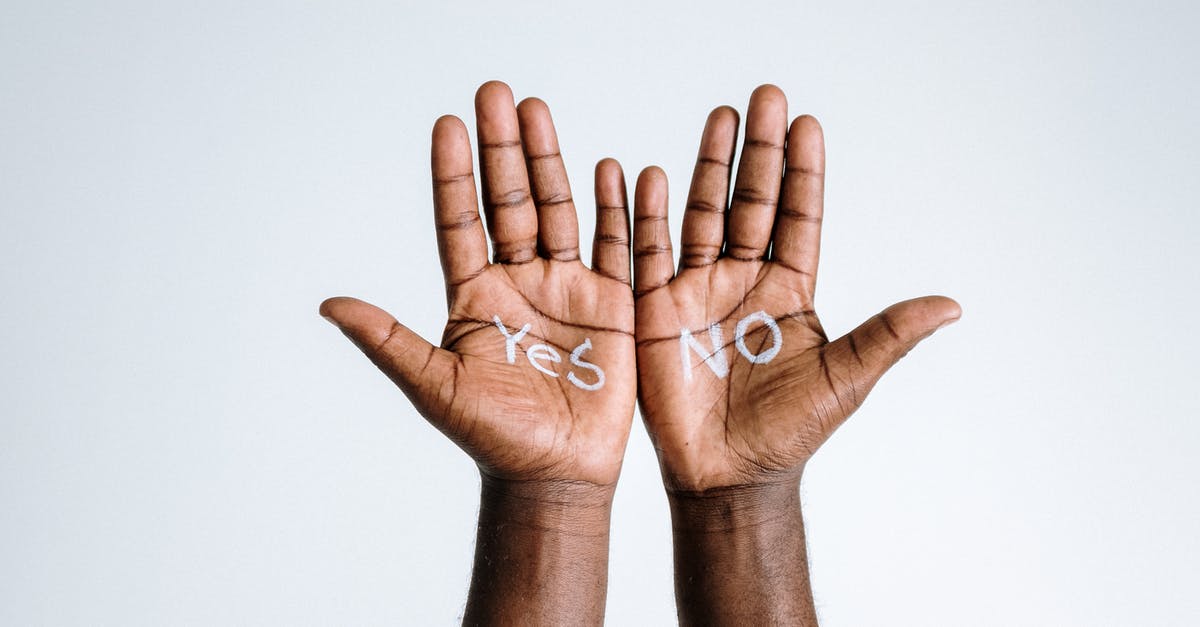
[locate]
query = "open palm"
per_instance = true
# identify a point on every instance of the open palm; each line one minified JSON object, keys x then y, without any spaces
{"x":534,"y":377}
{"x":738,"y":382}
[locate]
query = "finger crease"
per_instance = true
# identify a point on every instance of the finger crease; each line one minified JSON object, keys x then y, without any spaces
{"x":391,"y":334}
{"x":508,"y":143}
{"x":510,"y":199}
{"x":714,"y":161}
{"x":800,"y":216}
{"x":703,"y":206}
{"x":516,"y":253}
{"x":465,"y":220}
{"x":783,"y":264}
{"x":762,"y":143}
{"x":646,"y":251}
{"x":450,"y":180}
{"x":467,"y":277}
{"x":696,"y":260}
{"x":887,"y":324}
{"x":640,"y":292}
{"x":828,"y":376}
{"x":566,"y":253}
{"x":854,"y":348}
{"x":753,"y":197}
{"x":741,"y":252}
{"x":557,"y":199}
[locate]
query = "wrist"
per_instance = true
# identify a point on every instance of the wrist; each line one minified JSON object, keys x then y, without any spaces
{"x":736,"y":508}
{"x":541,"y":553}
{"x":561,"y":506}
{"x":740,"y":556}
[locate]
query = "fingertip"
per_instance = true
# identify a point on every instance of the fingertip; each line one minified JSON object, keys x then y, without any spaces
{"x":949,"y":309}
{"x":450,"y":149}
{"x":339,"y":311}
{"x":533,"y":106}
{"x":537,"y":126}
{"x":927,"y":313}
{"x":330,"y":306}
{"x":723,"y":114}
{"x":767,"y":118}
{"x":651,"y":190}
{"x":652,"y":175}
{"x":608,"y":166}
{"x":807,"y":123}
{"x":768,"y":95}
{"x":448,"y":127}
{"x":610,"y":190}
{"x":347,"y":309}
{"x":720,"y":132}
{"x":806,"y":142}
{"x":493,"y":90}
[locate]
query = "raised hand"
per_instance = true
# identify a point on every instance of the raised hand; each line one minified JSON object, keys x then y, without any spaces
{"x":738,"y":382}
{"x":534,"y":377}
{"x":535,"y":374}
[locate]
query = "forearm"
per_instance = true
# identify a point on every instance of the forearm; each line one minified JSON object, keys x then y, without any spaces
{"x":740,"y":556}
{"x":541,"y":554}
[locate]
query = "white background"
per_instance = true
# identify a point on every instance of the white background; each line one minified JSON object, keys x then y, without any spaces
{"x":184,"y":441}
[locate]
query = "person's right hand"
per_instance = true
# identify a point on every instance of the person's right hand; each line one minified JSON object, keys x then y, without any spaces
{"x":737,"y":380}
{"x":535,"y":374}
{"x":774,"y":387}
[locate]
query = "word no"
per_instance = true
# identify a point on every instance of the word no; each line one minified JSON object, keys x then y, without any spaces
{"x":539,"y":353}
{"x":715,"y":357}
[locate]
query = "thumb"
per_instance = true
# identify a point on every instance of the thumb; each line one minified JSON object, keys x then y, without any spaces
{"x":877,"y":344}
{"x":416,"y":366}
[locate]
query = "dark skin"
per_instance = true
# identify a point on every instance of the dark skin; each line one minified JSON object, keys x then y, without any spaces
{"x":732,"y":447}
{"x":732,"y":441}
{"x":548,"y":451}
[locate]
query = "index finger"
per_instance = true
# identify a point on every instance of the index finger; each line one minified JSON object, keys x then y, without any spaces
{"x":796,"y":242}
{"x":461,"y":243}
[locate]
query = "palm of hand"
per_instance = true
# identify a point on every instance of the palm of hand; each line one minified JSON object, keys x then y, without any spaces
{"x":758,"y":418}
{"x":521,"y":422}
{"x":763,"y":402}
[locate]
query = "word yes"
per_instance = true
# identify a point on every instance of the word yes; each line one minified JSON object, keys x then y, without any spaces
{"x":538,"y":353}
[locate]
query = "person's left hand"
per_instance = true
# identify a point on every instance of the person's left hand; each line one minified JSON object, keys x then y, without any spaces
{"x":739,"y":384}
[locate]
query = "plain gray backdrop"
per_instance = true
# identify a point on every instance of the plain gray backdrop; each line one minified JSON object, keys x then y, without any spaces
{"x":184,"y":441}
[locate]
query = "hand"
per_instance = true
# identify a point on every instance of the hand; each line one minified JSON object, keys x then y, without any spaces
{"x":738,"y":383}
{"x":535,"y":374}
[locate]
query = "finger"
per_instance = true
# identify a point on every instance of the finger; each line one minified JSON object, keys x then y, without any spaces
{"x":862,"y":356}
{"x":461,"y":243}
{"x":558,"y":230}
{"x":610,"y":250}
{"x":756,"y":192}
{"x":416,"y":366}
{"x":652,"y":261}
{"x":704,"y":216}
{"x":796,"y":242}
{"x":511,"y":217}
